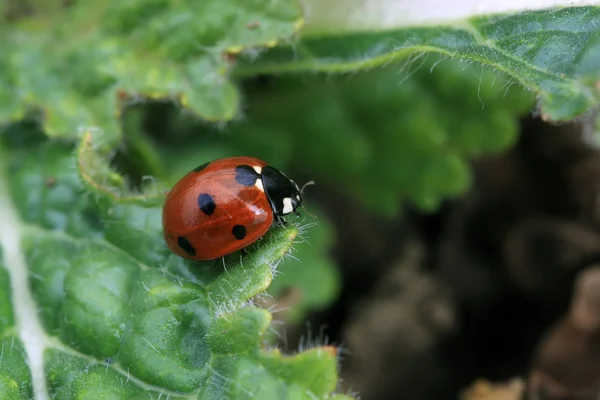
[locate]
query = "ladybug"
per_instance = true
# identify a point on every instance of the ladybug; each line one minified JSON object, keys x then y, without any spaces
{"x":224,"y":205}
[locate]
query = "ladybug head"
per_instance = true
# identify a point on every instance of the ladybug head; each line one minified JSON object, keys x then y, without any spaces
{"x":283,"y":193}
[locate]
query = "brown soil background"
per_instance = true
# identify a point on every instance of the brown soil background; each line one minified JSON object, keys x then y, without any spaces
{"x":432,"y":303}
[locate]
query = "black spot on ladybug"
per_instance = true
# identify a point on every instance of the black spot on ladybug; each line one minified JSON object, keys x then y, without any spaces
{"x":245,"y":175}
{"x":186,"y":245}
{"x":206,"y":203}
{"x":239,"y":232}
{"x":201,"y":167}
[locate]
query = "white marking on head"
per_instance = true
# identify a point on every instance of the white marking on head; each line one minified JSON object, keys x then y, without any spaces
{"x":298,"y":197}
{"x":259,"y":185}
{"x":258,"y":169}
{"x":287,"y":205}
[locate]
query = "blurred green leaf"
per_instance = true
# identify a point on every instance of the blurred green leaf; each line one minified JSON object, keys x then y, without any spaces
{"x":403,"y":133}
{"x":554,"y":52}
{"x":82,"y":62}
{"x":310,"y":280}
{"x":108,"y":311}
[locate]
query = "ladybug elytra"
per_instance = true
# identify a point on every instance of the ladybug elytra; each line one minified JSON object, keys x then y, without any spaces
{"x":225,"y":205}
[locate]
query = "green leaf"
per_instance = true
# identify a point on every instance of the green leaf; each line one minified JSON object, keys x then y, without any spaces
{"x":387,"y":136}
{"x":94,"y":305}
{"x":82,"y":63}
{"x":554,"y":52}
{"x":310,"y":281}
{"x":15,"y":379}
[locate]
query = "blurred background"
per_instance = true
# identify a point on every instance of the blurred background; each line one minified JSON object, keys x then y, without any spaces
{"x":450,"y":224}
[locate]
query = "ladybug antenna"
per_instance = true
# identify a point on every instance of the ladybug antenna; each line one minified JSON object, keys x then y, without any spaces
{"x":309,"y":183}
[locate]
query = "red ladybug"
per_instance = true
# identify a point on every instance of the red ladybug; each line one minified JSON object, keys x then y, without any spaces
{"x":225,"y":205}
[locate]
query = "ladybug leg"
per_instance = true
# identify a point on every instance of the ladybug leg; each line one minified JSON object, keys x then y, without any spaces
{"x":244,"y":252}
{"x":280,"y":221}
{"x":297,"y":213}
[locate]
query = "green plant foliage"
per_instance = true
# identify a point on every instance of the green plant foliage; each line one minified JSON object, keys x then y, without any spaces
{"x":15,"y":379}
{"x":554,"y":52}
{"x":311,"y":277}
{"x":406,"y":132}
{"x":117,"y":315}
{"x":94,"y":305}
{"x":81,"y":63}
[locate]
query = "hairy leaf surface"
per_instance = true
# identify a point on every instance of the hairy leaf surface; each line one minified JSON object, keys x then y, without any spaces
{"x":94,"y":305}
{"x":554,"y":52}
